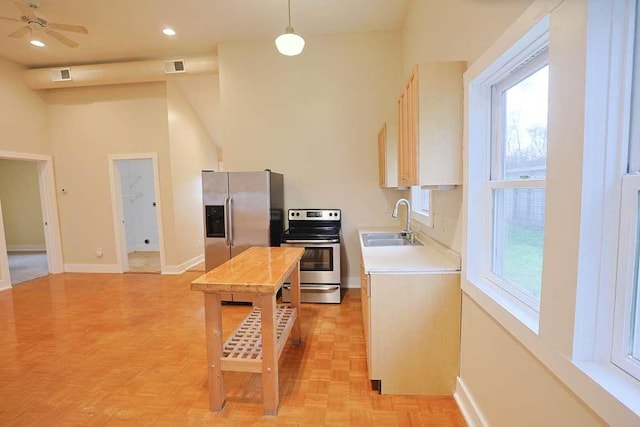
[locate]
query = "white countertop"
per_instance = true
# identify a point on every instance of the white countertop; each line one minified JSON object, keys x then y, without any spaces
{"x":429,"y":258}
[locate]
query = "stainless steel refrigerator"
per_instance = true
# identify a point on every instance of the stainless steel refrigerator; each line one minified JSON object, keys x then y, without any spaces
{"x":241,"y":209}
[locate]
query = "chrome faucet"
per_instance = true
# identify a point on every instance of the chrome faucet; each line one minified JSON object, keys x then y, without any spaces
{"x":407,"y":233}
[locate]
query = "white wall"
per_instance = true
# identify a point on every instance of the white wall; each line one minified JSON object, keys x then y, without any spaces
{"x":23,"y":115}
{"x":510,"y":385}
{"x":452,"y":30}
{"x":81,"y":126}
{"x":86,"y":125}
{"x":315,"y":118}
{"x":455,"y":30}
{"x":202,"y":92}
{"x":138,"y":198}
{"x":192,"y":151}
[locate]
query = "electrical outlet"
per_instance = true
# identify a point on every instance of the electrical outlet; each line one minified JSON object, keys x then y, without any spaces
{"x":99,"y":252}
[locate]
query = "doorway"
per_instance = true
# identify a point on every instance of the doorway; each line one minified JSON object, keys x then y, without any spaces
{"x":30,"y":244}
{"x":137,"y":215}
{"x":22,"y":219}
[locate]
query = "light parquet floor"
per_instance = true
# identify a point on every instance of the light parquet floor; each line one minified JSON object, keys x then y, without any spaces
{"x":88,"y":349}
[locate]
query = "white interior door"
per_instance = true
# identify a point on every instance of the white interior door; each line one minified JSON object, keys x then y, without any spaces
{"x":121,"y":235}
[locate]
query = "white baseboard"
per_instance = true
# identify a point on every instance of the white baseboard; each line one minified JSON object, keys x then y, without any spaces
{"x":470,"y":411}
{"x":181,"y":268}
{"x":4,"y":285}
{"x":92,"y":268}
{"x":26,"y":248}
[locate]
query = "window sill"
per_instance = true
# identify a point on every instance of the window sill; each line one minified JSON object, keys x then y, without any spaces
{"x":482,"y":290}
{"x":615,"y":382}
{"x":426,"y":220}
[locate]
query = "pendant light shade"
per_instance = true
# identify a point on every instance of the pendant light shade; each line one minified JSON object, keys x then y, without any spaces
{"x":289,"y":43}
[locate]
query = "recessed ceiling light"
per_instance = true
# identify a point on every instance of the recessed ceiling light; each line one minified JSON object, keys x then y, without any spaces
{"x":169,"y":32}
{"x":37,"y":43}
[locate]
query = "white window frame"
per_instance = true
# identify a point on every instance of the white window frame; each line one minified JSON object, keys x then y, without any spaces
{"x":628,"y":175}
{"x":522,"y":71}
{"x":626,"y":278}
{"x":602,"y":291}
{"x":519,"y":304}
{"x":418,"y":197}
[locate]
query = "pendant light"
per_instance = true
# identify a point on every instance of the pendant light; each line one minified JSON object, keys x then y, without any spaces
{"x":289,"y":43}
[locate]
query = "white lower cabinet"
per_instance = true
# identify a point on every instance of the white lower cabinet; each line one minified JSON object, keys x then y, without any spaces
{"x":412,"y":331}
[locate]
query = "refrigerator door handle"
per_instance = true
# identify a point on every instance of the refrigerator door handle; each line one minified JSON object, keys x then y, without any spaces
{"x":226,"y":221}
{"x":230,"y":214}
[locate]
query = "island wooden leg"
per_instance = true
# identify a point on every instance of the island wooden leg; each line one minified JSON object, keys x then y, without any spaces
{"x":294,"y":279}
{"x":270,"y":392}
{"x":213,"y":328}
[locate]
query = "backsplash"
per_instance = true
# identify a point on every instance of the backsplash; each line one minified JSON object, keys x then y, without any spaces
{"x":447,"y":219}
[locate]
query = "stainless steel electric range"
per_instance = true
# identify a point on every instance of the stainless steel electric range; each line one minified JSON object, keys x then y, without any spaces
{"x":318,"y":232}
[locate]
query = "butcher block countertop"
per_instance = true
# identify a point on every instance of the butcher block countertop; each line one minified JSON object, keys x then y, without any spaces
{"x":258,"y":270}
{"x":430,"y":258}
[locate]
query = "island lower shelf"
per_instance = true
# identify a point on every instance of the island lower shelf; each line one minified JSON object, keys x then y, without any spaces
{"x":242,"y":352}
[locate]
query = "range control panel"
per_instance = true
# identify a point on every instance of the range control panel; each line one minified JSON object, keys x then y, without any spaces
{"x":314,"y":214}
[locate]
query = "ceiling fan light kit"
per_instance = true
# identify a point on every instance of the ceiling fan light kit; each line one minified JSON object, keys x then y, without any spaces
{"x":37,"y":43}
{"x":289,"y":43}
{"x":37,"y":23}
{"x":169,"y":31}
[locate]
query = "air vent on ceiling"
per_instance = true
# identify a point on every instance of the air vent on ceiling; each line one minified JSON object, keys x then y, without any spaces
{"x":61,"y":75}
{"x":174,"y":66}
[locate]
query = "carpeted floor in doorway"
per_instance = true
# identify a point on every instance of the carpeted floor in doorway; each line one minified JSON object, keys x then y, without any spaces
{"x":144,"y":262}
{"x":25,"y":266}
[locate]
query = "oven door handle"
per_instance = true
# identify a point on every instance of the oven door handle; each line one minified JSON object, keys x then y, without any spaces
{"x":312,"y":241}
{"x":315,"y":288}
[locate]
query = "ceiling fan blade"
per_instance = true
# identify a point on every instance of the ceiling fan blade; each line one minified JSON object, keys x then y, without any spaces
{"x":63,"y":39}
{"x":20,"y":32}
{"x":26,"y":10}
{"x":10,"y":19}
{"x":68,"y":27}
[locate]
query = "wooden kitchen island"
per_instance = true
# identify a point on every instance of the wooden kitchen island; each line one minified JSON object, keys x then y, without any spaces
{"x":257,"y":343}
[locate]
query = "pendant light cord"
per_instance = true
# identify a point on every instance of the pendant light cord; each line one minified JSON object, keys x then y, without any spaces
{"x":289,"y":3}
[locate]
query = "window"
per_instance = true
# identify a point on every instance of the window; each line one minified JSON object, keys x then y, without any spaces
{"x":421,"y":205}
{"x":626,"y":344}
{"x":626,"y":351}
{"x":506,"y":176}
{"x":517,"y":179}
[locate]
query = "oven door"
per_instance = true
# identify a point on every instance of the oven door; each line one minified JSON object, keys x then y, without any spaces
{"x":319,"y":272}
{"x":320,"y":262}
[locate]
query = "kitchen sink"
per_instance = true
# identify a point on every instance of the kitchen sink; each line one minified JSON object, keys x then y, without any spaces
{"x":387,"y":239}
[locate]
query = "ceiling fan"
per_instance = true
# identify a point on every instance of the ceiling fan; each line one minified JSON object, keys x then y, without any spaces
{"x":38,"y":23}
